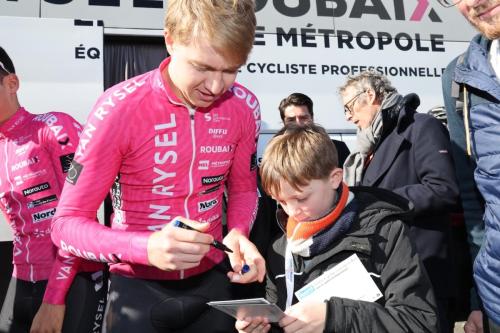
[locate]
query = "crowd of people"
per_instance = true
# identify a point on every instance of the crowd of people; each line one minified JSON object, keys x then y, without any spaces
{"x":176,"y":146}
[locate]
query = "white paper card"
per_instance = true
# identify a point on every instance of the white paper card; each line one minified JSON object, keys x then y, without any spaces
{"x":348,"y":279}
{"x":252,"y":307}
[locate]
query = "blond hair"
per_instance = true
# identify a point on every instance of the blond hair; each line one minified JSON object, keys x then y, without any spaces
{"x":297,"y":155}
{"x":228,"y":25}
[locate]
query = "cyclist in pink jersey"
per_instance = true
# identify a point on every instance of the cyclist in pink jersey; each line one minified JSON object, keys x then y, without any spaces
{"x":35,"y":154}
{"x":168,"y":143}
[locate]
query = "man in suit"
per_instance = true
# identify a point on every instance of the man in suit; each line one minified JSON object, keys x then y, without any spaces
{"x":407,"y":152}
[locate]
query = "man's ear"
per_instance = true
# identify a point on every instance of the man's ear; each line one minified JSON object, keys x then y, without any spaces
{"x":11,"y":83}
{"x":371,"y":97}
{"x":336,"y":178}
{"x":169,"y":42}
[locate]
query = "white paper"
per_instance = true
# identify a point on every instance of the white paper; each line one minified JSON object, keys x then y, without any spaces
{"x":348,"y":279}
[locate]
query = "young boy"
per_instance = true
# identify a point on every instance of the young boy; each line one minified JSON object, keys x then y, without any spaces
{"x":325,"y":222}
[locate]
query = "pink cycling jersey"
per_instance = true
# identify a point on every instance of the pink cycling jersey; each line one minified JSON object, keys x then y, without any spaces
{"x":35,"y":154}
{"x":160,"y":159}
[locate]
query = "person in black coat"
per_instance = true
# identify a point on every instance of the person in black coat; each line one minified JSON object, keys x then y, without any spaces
{"x":298,"y":108}
{"x":408,"y":153}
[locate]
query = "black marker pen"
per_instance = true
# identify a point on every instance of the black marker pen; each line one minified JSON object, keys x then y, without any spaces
{"x":215,"y":243}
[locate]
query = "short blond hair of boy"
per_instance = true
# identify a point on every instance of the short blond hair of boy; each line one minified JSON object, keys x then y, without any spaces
{"x":228,"y":25}
{"x":297,"y":155}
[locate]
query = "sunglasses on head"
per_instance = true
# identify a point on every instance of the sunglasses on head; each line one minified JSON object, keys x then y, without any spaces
{"x":2,"y":67}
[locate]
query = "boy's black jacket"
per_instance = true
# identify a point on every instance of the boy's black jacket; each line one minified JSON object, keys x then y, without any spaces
{"x":379,"y":237}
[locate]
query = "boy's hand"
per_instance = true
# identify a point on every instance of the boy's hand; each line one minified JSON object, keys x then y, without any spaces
{"x":244,"y":252}
{"x":48,"y":319}
{"x":253,"y":325}
{"x":174,"y":248}
{"x":305,"y":317}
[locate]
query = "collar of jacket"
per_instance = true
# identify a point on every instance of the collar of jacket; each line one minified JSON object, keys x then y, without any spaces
{"x":374,"y":206}
{"x":474,"y":69}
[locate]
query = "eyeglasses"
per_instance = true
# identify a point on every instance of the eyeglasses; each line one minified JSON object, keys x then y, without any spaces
{"x":2,"y":67}
{"x":448,"y":3}
{"x":347,"y":108}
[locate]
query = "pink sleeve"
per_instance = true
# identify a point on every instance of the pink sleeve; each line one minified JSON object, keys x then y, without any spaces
{"x":60,"y":280}
{"x":242,"y":182}
{"x":103,"y":145}
{"x":60,"y":139}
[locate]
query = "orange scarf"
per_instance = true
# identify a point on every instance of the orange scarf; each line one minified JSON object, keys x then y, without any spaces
{"x":303,"y":230}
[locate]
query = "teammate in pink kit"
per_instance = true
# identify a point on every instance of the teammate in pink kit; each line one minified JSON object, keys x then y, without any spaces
{"x":35,"y":154}
{"x":168,"y":143}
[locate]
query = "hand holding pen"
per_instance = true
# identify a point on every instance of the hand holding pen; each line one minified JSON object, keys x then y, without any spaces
{"x":242,"y":272}
{"x":173,"y":248}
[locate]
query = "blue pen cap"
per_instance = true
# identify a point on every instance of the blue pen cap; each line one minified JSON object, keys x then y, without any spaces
{"x":245,"y":269}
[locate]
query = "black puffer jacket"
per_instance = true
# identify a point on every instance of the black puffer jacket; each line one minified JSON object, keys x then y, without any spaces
{"x":380,"y":239}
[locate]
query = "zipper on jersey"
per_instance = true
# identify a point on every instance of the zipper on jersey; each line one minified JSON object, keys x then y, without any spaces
{"x":193,"y":156}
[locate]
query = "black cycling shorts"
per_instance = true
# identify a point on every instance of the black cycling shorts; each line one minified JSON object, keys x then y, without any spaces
{"x":85,"y":304}
{"x":150,"y":306}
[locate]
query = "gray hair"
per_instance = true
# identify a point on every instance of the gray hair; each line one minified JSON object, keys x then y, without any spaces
{"x":370,"y":79}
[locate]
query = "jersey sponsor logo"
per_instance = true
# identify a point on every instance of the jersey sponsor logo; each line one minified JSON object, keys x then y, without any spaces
{"x":22,"y":150}
{"x":203,"y":164}
{"x":74,"y":172}
{"x":42,"y":233}
{"x":33,"y":174}
{"x":216,"y":149}
{"x":165,"y":158}
{"x":102,"y":257}
{"x":215,"y":117}
{"x":18,"y":180}
{"x":203,"y":206}
{"x":22,"y":139}
{"x":220,"y":164}
{"x":36,"y":189}
{"x":43,"y":215}
{"x":253,"y":161}
{"x":99,"y":316}
{"x":211,"y":179}
{"x":210,"y":219}
{"x":217,"y":132}
{"x":25,"y":163}
{"x":108,"y":103}
{"x":210,"y":190}
{"x":252,"y":102}
{"x":206,"y":164}
{"x":42,"y":201}
{"x":53,"y":123}
{"x":66,"y":161}
{"x":16,"y":123}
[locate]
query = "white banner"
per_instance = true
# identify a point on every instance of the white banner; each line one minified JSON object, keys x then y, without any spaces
{"x":423,"y":17}
{"x":281,"y":67}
